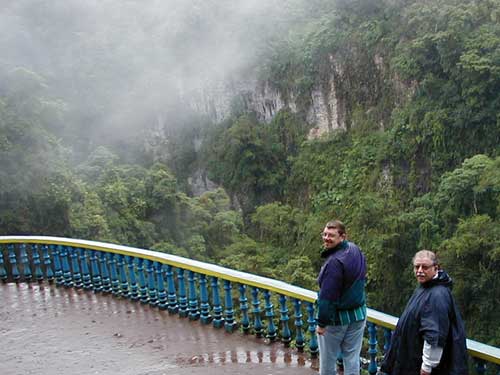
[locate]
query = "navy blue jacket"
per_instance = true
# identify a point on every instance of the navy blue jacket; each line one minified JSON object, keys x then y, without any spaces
{"x":342,"y":285}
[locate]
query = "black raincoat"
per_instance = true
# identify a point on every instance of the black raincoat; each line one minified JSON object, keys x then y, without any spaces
{"x":430,"y":315}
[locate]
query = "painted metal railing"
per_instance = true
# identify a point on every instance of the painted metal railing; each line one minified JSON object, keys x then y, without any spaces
{"x":215,"y":295}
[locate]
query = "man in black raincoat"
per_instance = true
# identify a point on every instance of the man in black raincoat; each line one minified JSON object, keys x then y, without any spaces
{"x":430,"y":336}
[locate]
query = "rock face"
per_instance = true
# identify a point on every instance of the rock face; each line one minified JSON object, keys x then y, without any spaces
{"x":324,"y":111}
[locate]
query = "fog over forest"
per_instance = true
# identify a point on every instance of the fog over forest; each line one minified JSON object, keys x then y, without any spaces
{"x":115,"y":67}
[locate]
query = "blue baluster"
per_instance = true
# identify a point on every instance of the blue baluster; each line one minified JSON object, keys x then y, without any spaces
{"x":286,"y":335}
{"x":58,"y":271}
{"x":299,"y":335}
{"x":173,"y":307}
{"x":257,"y":322}
{"x":134,"y":292}
{"x":480,"y":366}
{"x":49,"y":274}
{"x":96,"y":272}
{"x":204,"y":305}
{"x":3,"y":270}
{"x":313,"y":342}
{"x":25,"y":262}
{"x":113,"y":274}
{"x":13,"y":262}
{"x":194,"y":313}
{"x":143,"y":289}
{"x":75,"y":265}
{"x":387,"y":339}
{"x":63,"y":253}
{"x":153,"y":298}
{"x":372,"y":348}
{"x":229,"y":323}
{"x":218,"y":320}
{"x":86,"y":280}
{"x":37,"y":263}
{"x":120,"y":263}
{"x":162,"y":294}
{"x":183,"y":307}
{"x":271,"y":328}
{"x":106,"y":281}
{"x":245,"y":321}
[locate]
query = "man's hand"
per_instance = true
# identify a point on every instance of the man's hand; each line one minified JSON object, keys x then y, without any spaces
{"x":320,"y":330}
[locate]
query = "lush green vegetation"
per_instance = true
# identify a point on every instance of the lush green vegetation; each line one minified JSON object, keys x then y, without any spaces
{"x":418,"y":166}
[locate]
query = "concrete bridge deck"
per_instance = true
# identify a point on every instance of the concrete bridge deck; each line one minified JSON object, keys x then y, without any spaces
{"x":53,"y":330}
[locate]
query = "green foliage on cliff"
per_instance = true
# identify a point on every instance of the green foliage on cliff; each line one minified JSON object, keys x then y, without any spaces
{"x":426,"y":178}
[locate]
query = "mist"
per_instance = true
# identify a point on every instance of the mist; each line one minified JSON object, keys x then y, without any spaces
{"x":119,"y":67}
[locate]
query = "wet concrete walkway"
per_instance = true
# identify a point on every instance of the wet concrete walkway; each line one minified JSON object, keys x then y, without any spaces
{"x":50,"y":330}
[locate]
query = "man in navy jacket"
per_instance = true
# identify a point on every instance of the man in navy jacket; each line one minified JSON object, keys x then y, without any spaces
{"x":430,"y":336}
{"x":341,"y":301}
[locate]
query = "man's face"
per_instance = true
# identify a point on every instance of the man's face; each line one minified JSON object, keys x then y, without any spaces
{"x":332,"y":237}
{"x":424,"y":269}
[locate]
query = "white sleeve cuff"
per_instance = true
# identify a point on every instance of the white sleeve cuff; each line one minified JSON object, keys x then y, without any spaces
{"x":431,"y":355}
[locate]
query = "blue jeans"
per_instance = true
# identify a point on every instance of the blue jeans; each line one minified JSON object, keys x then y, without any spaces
{"x":345,"y":340}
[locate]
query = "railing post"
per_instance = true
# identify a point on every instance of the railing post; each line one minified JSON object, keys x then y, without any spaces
{"x":86,"y":280}
{"x":257,"y":322}
{"x":313,"y":342}
{"x":245,"y":321}
{"x":133,"y":293}
{"x":204,"y":304}
{"x":26,"y":264}
{"x":299,"y":335}
{"x":122,"y":276}
{"x":372,"y":351}
{"x":3,"y":271}
{"x":77,"y":276}
{"x":37,"y":263}
{"x":68,"y":279}
{"x":173,"y":307}
{"x":96,"y":274}
{"x":13,"y":262}
{"x":271,"y":328}
{"x":229,"y":323}
{"x":153,"y":297}
{"x":143,"y":290}
{"x":217,"y":321}
{"x":57,"y":265}
{"x":49,"y":274}
{"x":162,"y":294}
{"x":286,"y":336}
{"x":113,"y":274}
{"x":183,"y":307}
{"x":387,"y":339}
{"x":106,"y":281}
{"x":480,"y":366}
{"x":193,"y":313}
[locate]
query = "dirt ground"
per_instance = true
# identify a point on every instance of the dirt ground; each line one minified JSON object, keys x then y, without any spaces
{"x":49,"y":330}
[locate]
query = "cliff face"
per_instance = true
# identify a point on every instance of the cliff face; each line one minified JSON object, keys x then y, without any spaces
{"x":326,"y":107}
{"x":323,"y":113}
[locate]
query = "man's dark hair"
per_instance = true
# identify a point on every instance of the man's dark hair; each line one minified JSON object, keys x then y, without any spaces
{"x":336,"y":224}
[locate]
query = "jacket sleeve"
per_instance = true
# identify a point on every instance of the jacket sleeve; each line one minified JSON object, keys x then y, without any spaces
{"x":434,"y":319}
{"x":330,"y":292}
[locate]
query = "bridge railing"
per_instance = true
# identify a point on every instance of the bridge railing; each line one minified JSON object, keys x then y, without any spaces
{"x":196,"y":290}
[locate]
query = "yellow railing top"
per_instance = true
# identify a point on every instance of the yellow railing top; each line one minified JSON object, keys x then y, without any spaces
{"x":476,"y":349}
